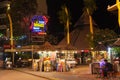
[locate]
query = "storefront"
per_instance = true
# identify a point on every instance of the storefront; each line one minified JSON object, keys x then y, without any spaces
{"x":98,"y":55}
{"x":47,"y":60}
{"x":99,"y":52}
{"x":67,"y":57}
{"x":56,"y":60}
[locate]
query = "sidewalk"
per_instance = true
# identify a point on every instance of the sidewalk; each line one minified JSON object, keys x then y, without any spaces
{"x":78,"y":73}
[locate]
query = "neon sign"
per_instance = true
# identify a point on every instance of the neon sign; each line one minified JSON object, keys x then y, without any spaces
{"x":38,"y":24}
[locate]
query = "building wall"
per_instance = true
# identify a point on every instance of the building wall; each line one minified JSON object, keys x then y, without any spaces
{"x":42,"y":6}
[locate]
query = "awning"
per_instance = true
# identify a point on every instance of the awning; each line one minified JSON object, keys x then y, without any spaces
{"x":66,"y":47}
{"x":117,"y":43}
{"x":47,"y":46}
{"x":112,"y":8}
{"x":100,"y":47}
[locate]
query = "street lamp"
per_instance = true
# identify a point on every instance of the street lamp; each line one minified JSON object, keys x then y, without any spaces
{"x":11,"y":31}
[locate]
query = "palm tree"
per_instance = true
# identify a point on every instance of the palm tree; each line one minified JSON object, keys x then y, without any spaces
{"x":118,"y":6}
{"x":90,"y":7}
{"x":64,"y":18}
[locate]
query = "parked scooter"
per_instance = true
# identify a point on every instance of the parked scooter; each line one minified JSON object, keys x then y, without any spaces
{"x":8,"y":65}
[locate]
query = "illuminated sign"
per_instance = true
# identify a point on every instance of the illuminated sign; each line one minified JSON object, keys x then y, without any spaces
{"x":38,"y":24}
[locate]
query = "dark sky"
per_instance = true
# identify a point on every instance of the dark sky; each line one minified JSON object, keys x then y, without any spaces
{"x":101,"y":16}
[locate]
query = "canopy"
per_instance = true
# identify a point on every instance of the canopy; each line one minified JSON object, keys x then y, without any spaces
{"x":100,"y":47}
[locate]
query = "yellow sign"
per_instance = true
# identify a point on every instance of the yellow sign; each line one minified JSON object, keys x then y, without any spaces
{"x":37,"y":24}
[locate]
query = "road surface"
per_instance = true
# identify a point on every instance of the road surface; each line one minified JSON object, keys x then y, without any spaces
{"x":15,"y":75}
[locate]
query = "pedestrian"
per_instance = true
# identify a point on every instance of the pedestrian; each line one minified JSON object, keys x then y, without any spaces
{"x":35,"y":65}
{"x":40,"y":64}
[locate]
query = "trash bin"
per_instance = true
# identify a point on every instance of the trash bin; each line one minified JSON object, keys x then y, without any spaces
{"x":93,"y":67}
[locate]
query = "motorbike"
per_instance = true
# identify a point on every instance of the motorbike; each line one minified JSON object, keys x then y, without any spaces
{"x":8,"y":65}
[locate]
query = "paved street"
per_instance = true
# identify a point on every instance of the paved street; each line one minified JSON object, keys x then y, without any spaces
{"x":79,"y":73}
{"x":15,"y":75}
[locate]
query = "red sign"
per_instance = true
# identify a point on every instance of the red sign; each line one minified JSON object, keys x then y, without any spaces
{"x":6,"y":46}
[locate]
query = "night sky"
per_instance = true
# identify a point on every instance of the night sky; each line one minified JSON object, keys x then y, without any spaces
{"x":101,"y":16}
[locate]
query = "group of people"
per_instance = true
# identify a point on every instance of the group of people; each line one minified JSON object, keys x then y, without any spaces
{"x":106,"y":68}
